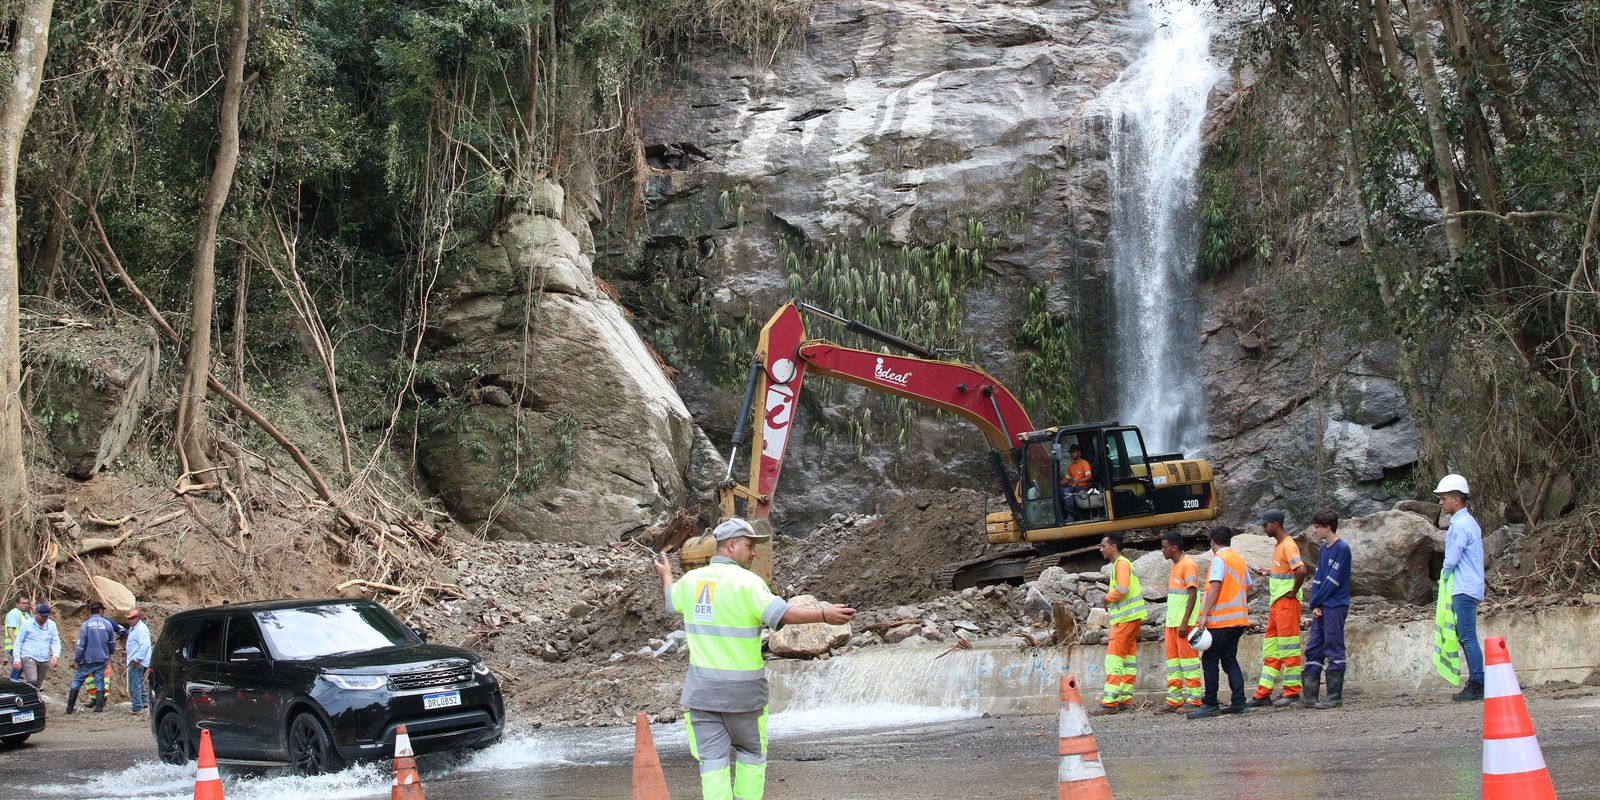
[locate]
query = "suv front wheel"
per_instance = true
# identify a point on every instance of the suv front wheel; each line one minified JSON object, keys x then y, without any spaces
{"x":172,"y":746}
{"x":311,"y":749}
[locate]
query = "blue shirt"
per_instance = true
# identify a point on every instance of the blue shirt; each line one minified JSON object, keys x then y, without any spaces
{"x":1463,"y":554}
{"x":139,"y":644}
{"x":97,"y":640}
{"x":1330,"y":586}
{"x":38,"y":642}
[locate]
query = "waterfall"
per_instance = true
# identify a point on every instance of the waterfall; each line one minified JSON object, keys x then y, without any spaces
{"x":1153,"y":115}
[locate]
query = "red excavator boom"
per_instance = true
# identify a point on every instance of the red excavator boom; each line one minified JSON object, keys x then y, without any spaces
{"x":783,"y":358}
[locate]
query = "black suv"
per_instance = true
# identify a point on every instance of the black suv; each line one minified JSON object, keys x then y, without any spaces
{"x":313,"y":683}
{"x":21,"y":711}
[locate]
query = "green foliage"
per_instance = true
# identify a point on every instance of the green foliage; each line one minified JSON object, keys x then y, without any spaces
{"x":1216,"y":210}
{"x":1046,"y":357}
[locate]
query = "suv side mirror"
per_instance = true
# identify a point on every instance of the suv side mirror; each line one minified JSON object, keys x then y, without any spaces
{"x":421,"y":634}
{"x":247,"y":654}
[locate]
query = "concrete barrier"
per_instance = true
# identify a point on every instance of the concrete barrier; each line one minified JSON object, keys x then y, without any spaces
{"x":999,"y":677}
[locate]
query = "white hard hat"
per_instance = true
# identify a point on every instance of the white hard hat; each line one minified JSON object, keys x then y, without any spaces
{"x":1200,"y":639}
{"x":1452,"y":483}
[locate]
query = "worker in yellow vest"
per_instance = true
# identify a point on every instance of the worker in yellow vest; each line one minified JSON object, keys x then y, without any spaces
{"x":14,"y":620}
{"x":1183,"y":609}
{"x":724,"y":606}
{"x":1226,"y":616}
{"x":1125,"y":607}
{"x":1280,"y":649}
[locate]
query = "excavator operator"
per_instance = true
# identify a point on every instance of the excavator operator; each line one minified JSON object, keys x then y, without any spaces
{"x":1079,"y":477}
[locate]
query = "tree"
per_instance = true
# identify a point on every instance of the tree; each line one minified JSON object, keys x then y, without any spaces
{"x":192,"y":441}
{"x":31,"y":41}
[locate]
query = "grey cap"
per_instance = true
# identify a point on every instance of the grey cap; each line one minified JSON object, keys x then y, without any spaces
{"x":734,"y":528}
{"x":1272,"y":516}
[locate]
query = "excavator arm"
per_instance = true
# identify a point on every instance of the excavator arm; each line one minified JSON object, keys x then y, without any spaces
{"x":784,"y":356}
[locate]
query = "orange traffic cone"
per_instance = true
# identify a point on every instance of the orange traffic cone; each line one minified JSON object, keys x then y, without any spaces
{"x":407,"y":783}
{"x":207,"y":783}
{"x":1081,"y":774}
{"x":1513,"y":767}
{"x":649,"y":783}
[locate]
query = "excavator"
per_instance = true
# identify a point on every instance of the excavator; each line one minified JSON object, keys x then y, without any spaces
{"x":1130,"y":488}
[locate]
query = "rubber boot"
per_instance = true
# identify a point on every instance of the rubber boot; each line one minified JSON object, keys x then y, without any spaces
{"x":1258,"y":702}
{"x":1335,"y":690}
{"x":72,"y":701}
{"x":1472,"y":691}
{"x":1311,"y":688}
{"x":99,"y":703}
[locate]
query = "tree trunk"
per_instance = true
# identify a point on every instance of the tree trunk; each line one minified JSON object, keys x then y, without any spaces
{"x":1455,"y":236}
{"x":193,"y":442}
{"x":31,"y":40}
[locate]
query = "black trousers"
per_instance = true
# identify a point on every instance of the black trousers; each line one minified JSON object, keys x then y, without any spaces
{"x":1224,"y":650}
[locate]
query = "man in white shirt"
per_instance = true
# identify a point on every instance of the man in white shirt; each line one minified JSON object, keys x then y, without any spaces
{"x":138,"y":656}
{"x":38,"y":647}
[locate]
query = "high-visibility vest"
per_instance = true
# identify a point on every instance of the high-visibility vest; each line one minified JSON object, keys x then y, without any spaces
{"x":723,"y":605}
{"x":1185,"y":575}
{"x":1285,"y":557}
{"x":1131,"y":606}
{"x":1232,"y":609}
{"x":14,"y":620}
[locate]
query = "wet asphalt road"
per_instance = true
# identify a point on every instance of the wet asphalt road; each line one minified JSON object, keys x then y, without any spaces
{"x":1421,"y":747}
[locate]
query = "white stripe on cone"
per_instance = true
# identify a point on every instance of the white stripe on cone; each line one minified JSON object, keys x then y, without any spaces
{"x":1078,"y":768}
{"x":1074,"y":721}
{"x":204,"y":774}
{"x":1512,"y":756}
{"x":402,"y":745}
{"x":1500,"y":680}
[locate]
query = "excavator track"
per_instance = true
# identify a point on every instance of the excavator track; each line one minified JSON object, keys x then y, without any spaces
{"x":960,"y":574}
{"x":1037,"y":566}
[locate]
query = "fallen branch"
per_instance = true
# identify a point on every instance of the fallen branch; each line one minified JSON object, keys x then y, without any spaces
{"x":369,"y":585}
{"x":961,"y":644}
{"x":95,"y":545}
{"x":194,"y":487}
{"x":108,"y":523}
{"x":244,"y":526}
{"x":164,"y":519}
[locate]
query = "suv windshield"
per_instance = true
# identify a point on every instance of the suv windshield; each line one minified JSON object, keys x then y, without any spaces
{"x":301,"y":633}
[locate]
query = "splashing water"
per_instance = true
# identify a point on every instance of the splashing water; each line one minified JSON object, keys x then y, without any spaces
{"x":873,"y":690}
{"x":1154,"y":113}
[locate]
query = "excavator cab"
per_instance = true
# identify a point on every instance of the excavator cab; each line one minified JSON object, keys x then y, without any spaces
{"x":1127,"y":488}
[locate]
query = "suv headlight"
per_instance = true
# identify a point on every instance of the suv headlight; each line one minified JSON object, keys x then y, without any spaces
{"x":357,"y":683}
{"x":480,"y":667}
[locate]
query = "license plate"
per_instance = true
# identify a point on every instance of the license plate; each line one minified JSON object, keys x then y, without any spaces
{"x":441,"y":700}
{"x":27,"y":716}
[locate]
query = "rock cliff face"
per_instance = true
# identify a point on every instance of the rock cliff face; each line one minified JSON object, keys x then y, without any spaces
{"x":908,"y":118}
{"x":580,"y":437}
{"x":904,"y":122}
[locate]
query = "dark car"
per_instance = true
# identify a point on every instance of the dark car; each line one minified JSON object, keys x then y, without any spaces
{"x":21,"y":712}
{"x":313,"y":683}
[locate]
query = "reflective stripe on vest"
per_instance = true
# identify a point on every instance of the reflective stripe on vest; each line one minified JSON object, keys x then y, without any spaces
{"x":1131,"y":606}
{"x":1232,"y":609}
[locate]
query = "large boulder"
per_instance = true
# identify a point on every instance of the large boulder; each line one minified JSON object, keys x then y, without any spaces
{"x":1257,"y":548}
{"x":1392,"y":555}
{"x":809,"y":640}
{"x":90,"y":386}
{"x":572,"y":432}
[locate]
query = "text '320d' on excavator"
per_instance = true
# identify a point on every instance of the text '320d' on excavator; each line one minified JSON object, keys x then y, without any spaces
{"x":1053,"y":503}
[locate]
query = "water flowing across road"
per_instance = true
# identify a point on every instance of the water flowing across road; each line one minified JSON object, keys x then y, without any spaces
{"x":1153,"y":114}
